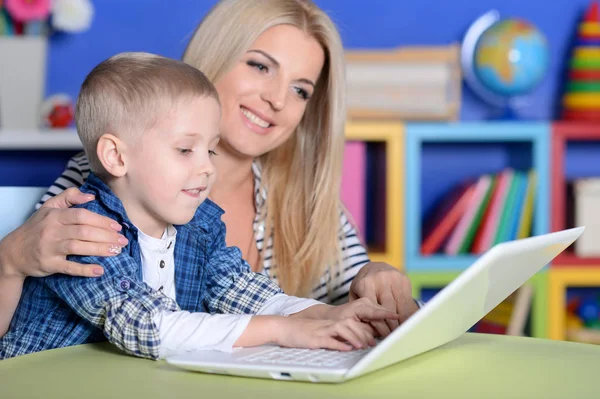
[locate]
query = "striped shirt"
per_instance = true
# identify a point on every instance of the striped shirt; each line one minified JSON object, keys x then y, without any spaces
{"x":354,"y":255}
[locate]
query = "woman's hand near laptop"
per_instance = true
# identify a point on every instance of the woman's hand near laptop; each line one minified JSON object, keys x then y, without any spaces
{"x":385,"y":285}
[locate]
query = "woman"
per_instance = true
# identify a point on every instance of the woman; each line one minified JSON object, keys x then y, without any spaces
{"x":278,"y":68}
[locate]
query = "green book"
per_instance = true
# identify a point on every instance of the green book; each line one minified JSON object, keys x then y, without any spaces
{"x":509,"y":209}
{"x":465,"y":246}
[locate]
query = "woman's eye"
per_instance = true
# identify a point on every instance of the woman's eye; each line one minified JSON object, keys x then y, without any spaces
{"x":258,"y":65}
{"x":302,"y":93}
{"x":211,"y":153}
{"x":184,"y":151}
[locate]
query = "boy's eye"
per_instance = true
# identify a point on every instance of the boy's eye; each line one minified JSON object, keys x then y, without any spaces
{"x":211,"y":153}
{"x":185,"y":151}
{"x":258,"y":65}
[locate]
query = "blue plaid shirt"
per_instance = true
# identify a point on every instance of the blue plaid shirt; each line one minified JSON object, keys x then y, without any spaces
{"x":61,"y":310}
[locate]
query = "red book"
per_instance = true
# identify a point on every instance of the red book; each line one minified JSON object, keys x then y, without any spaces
{"x":446,"y":217}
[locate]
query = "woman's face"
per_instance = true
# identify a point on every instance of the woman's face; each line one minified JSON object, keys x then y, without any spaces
{"x":264,"y":95}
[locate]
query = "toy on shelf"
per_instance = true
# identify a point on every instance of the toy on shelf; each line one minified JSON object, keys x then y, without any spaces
{"x":583,"y":318}
{"x":58,"y":111}
{"x":581,"y":100}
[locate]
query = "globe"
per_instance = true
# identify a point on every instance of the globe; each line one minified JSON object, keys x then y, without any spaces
{"x":504,"y":60}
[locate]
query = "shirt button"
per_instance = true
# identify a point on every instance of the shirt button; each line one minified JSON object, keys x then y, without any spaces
{"x":161,"y":288}
{"x":125,"y":285}
{"x":162,"y":264}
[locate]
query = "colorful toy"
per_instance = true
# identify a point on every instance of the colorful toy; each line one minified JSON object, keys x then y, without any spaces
{"x":589,"y":310}
{"x":581,"y":100}
{"x":58,"y":111}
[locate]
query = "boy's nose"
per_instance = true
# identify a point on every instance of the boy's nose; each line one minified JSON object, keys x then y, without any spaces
{"x":207,"y":169}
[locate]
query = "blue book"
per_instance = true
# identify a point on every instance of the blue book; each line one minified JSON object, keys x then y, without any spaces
{"x":519,"y":200}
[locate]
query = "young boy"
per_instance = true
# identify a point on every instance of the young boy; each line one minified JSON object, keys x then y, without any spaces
{"x":149,"y":126}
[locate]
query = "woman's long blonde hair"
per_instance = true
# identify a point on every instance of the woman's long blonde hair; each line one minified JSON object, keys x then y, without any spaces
{"x":303,"y":175}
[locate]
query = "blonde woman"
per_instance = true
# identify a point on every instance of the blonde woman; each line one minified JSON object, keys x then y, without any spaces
{"x":278,"y":69}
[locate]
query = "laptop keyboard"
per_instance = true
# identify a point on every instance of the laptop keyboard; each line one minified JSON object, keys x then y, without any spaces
{"x":304,"y":357}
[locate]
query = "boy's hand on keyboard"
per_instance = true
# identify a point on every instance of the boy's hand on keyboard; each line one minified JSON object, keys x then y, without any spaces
{"x":361,"y":310}
{"x":342,"y":335}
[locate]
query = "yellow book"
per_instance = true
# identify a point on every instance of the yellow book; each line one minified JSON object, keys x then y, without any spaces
{"x":527,"y":209}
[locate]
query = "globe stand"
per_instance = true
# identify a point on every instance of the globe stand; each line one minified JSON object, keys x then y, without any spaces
{"x":506,"y":114}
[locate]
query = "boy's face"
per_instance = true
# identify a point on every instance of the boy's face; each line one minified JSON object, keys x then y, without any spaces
{"x":170,"y":172}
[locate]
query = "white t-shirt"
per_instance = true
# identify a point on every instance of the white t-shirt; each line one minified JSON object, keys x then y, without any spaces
{"x":184,"y":331}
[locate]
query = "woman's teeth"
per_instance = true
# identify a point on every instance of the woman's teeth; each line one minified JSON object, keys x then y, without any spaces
{"x":255,"y":119}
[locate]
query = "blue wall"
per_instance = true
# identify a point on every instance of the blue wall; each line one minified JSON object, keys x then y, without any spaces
{"x":164,"y":27}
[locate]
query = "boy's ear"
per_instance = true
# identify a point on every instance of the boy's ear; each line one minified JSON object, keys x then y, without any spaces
{"x":111,"y":152}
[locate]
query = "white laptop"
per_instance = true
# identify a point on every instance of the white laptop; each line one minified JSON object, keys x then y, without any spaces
{"x":448,"y":315}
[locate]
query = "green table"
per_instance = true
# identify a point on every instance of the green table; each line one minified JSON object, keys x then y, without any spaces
{"x":473,"y":366}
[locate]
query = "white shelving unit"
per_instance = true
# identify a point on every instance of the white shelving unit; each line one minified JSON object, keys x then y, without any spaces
{"x":41,"y":139}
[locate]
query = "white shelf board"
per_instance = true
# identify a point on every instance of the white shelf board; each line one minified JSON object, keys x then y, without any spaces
{"x":40,"y":139}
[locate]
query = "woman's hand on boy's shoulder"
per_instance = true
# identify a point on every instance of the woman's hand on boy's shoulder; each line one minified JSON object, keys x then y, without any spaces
{"x":387,"y":286}
{"x":40,"y":246}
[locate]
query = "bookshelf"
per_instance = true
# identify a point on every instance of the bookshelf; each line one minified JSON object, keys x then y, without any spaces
{"x":563,"y":134}
{"x":478,"y":148}
{"x":390,"y":135}
{"x":40,"y":139}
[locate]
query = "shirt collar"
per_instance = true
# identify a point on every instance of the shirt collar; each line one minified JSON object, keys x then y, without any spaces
{"x":158,"y":245}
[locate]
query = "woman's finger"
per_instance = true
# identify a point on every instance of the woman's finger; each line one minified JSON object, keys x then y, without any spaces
{"x":368,"y":311}
{"x":404,"y":302}
{"x":86,"y":217}
{"x":68,"y":198}
{"x":78,"y":269}
{"x":93,"y":234}
{"x":372,"y":313}
{"x":86,"y":248}
{"x":381,"y":327}
{"x":388,"y":301}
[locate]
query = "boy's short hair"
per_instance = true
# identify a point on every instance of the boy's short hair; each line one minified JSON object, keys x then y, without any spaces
{"x":126,"y":94}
